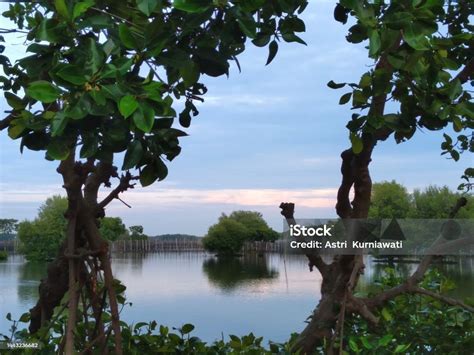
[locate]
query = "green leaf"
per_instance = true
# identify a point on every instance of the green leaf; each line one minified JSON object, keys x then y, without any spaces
{"x":374,"y":43}
{"x":272,"y":51}
{"x":43,"y":91}
{"x":334,"y":85}
{"x":385,"y":340}
{"x":81,"y":7}
{"x":15,"y":129}
{"x":14,"y":101}
{"x":61,"y":8}
{"x":401,"y":348}
{"x":152,"y":172}
{"x":133,"y":155}
{"x":345,"y":98}
{"x":357,"y":144}
{"x":353,"y":345}
{"x":95,"y":56}
{"x":59,"y":124}
{"x":126,"y":36}
{"x":147,"y":6}
{"x":89,"y":147}
{"x":291,"y":37}
{"x":128,"y":105}
{"x":415,"y":37}
{"x":58,"y":149}
{"x":190,"y":74}
{"x":72,"y":74}
{"x":386,"y":315}
{"x":248,"y":25}
{"x":187,"y":328}
{"x":192,"y":5}
{"x":144,"y":117}
{"x":366,"y":343}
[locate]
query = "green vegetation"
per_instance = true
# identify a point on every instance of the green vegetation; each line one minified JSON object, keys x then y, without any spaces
{"x":3,"y":255}
{"x":392,"y":200}
{"x":103,"y":87}
{"x":231,"y":232}
{"x":412,"y":324}
{"x":175,"y":236}
{"x":408,"y":325}
{"x":8,"y":227}
{"x":112,"y":228}
{"x":41,"y":238}
{"x":136,"y":233}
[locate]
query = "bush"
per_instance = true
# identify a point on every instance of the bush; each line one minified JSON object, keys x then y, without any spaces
{"x":231,"y":232}
{"x":226,"y":237}
{"x":3,"y":255}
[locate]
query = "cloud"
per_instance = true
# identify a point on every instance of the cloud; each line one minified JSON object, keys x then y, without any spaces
{"x":313,"y":198}
{"x":244,"y":100}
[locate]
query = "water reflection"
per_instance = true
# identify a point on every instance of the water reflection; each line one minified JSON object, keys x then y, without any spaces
{"x":30,"y":275}
{"x":270,"y":295}
{"x":230,"y":273}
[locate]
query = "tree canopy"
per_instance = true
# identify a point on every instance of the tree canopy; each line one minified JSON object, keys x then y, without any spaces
{"x":41,"y":238}
{"x":231,"y":232}
{"x":110,"y":76}
{"x":392,"y":200}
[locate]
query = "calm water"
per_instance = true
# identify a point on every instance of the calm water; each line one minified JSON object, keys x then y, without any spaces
{"x":270,"y":296}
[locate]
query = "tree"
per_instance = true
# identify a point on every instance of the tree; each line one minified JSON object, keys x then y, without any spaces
{"x":389,"y":200}
{"x":226,"y":237}
{"x":257,"y":226}
{"x":423,"y":57}
{"x":136,"y":233}
{"x":436,"y":202}
{"x":7,"y":227}
{"x":112,"y":228}
{"x":231,"y":232}
{"x":40,"y":239}
{"x":103,"y":77}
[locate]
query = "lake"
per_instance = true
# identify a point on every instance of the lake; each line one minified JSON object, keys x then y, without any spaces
{"x":270,"y":296}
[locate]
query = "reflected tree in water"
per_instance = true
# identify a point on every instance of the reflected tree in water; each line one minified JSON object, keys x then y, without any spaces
{"x":229,"y":273}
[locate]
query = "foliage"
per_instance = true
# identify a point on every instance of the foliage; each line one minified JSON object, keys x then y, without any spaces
{"x":107,"y":75}
{"x":40,"y":239}
{"x":424,"y":53}
{"x":230,"y":273}
{"x":413,"y":324}
{"x":410,"y":324}
{"x":228,"y":236}
{"x":175,"y":236}
{"x":112,"y":228}
{"x":437,"y":202}
{"x":136,"y":233}
{"x":3,"y":255}
{"x":391,"y":200}
{"x":257,"y":226}
{"x":8,"y":225}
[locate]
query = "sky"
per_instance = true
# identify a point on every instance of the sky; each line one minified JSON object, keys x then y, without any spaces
{"x":265,"y":135}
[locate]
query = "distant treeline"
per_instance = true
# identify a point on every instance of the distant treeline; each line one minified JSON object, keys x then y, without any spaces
{"x":175,"y":236}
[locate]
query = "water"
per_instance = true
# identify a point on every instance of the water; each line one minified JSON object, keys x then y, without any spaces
{"x":270,"y":296}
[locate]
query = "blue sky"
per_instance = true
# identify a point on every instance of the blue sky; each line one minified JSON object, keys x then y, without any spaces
{"x":266,"y":135}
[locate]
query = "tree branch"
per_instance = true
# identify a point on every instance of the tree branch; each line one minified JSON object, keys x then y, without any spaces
{"x":287,"y":211}
{"x":467,"y":72}
{"x":123,"y":186}
{"x":5,"y":123}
